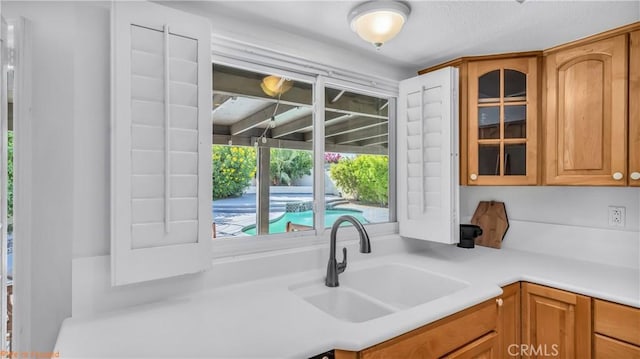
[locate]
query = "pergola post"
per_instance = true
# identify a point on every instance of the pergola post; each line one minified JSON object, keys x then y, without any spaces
{"x":262,"y":195}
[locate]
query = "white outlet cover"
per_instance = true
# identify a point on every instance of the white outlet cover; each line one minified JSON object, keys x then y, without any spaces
{"x":616,"y":216}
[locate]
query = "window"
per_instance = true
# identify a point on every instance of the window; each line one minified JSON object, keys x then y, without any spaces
{"x":262,"y":173}
{"x":356,"y":156}
{"x":263,"y":159}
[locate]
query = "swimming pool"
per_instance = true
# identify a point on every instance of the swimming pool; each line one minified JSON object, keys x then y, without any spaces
{"x":306,"y":218}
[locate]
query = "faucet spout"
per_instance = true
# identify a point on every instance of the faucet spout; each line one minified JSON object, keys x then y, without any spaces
{"x":333,"y":267}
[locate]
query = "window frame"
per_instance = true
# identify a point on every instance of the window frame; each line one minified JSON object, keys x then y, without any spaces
{"x":300,"y":70}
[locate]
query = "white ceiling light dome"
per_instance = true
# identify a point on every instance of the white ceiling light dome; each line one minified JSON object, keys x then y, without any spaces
{"x":378,"y":21}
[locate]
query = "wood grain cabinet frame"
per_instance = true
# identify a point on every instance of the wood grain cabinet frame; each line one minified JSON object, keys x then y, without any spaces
{"x":634,"y":108}
{"x":509,"y":323}
{"x":589,"y":99}
{"x":462,"y":335}
{"x":616,"y":331}
{"x":556,"y":322}
{"x":502,"y":121}
{"x":586,"y":114}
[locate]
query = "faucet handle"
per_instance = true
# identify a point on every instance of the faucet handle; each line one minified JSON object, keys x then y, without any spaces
{"x":343,"y":265}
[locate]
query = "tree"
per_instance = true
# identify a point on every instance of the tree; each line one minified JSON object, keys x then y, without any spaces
{"x":287,"y":166}
{"x":233,"y":167}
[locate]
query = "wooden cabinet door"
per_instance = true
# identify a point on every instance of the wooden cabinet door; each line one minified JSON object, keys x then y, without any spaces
{"x":437,"y":339}
{"x":509,"y":322}
{"x":555,"y":323}
{"x":608,"y":348}
{"x":482,"y":348}
{"x":634,"y":109}
{"x":502,"y":128}
{"x":586,"y":114}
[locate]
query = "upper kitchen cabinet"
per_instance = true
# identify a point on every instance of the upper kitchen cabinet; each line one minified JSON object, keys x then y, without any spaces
{"x":585,"y":122}
{"x":502,"y":122}
{"x":634,"y":109}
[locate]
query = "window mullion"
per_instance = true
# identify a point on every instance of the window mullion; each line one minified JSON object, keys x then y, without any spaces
{"x":318,"y":153}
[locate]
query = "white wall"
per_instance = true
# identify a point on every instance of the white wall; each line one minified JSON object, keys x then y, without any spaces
{"x":53,"y":120}
{"x":565,"y":221}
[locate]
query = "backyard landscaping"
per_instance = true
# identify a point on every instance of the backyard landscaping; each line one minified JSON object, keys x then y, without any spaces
{"x":359,"y":186}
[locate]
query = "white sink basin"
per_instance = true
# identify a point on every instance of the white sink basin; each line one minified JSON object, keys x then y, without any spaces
{"x":341,"y":303}
{"x":374,"y":292}
{"x":400,"y":286}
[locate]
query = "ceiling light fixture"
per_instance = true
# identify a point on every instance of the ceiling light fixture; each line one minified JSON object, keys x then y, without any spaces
{"x":275,"y":85}
{"x":378,"y":21}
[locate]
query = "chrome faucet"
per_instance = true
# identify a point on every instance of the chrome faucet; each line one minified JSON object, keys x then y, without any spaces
{"x":333,"y":267}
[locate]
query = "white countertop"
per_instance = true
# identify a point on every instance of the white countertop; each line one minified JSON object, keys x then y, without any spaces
{"x":263,"y":319}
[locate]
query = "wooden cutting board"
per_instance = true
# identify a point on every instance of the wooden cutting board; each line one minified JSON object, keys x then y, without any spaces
{"x":491,"y":216}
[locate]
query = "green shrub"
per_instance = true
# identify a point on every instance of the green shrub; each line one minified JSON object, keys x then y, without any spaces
{"x":233,"y":169}
{"x":287,"y":166}
{"x":365,"y":178}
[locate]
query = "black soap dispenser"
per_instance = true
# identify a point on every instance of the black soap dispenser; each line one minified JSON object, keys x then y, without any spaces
{"x":468,"y":234}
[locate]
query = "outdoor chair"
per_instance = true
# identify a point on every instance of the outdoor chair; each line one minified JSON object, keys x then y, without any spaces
{"x":292,"y":227}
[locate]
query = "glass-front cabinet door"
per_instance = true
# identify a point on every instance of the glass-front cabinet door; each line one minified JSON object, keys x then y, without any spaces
{"x":503,"y":99}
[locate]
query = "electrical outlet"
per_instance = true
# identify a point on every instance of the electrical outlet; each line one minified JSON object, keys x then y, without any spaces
{"x":616,"y":216}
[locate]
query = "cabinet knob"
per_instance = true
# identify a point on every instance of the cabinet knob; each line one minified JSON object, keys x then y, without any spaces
{"x":618,"y":176}
{"x":500,"y":302}
{"x":635,"y":176}
{"x":473,"y":176}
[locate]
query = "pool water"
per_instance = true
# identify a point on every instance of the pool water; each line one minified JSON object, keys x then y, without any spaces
{"x":306,"y":218}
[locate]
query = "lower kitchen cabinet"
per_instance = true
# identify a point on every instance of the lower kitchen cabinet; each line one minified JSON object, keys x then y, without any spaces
{"x":555,"y":323}
{"x":608,"y":348}
{"x":483,"y":348}
{"x":461,"y":335}
{"x":616,"y":331}
{"x":527,"y":321}
{"x":509,"y":322}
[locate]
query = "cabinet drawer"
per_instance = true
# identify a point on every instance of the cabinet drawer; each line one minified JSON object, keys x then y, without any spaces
{"x":608,"y":348}
{"x":441,"y":337}
{"x":617,"y":321}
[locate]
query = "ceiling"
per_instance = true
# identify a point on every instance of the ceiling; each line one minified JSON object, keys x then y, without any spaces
{"x":436,"y":30}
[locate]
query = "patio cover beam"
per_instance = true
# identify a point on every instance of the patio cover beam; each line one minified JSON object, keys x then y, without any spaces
{"x":307,"y":146}
{"x":258,"y":118}
{"x":353,"y":125}
{"x":371,"y":132}
{"x":244,"y":86}
{"x":303,"y":124}
{"x":381,"y":140}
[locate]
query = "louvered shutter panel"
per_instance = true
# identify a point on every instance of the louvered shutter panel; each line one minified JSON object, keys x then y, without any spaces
{"x":161,"y":143}
{"x":428,"y":157}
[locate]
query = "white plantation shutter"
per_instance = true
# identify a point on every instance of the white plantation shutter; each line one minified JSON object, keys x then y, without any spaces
{"x":161,"y":143}
{"x":428,"y":157}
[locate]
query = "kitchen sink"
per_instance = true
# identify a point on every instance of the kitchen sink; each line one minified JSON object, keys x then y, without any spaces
{"x":400,"y":286}
{"x":370,"y":293}
{"x":342,"y":303}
